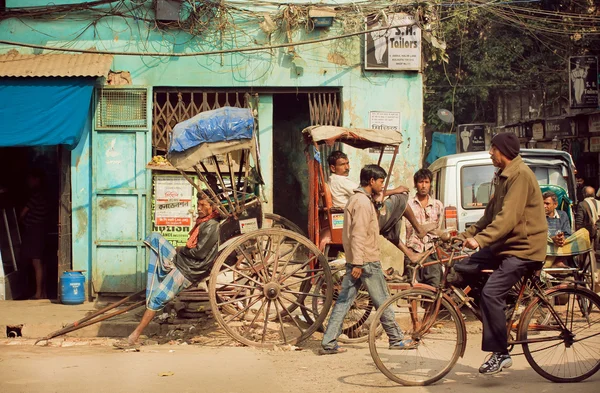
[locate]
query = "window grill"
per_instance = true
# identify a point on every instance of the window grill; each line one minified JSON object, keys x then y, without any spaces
{"x":172,"y":106}
{"x":120,"y":109}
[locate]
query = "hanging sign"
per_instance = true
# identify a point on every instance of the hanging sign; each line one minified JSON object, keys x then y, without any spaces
{"x":594,"y":123}
{"x":174,"y":205}
{"x":558,"y":127}
{"x":396,"y":48}
{"x":583,"y":81}
{"x":471,"y":137}
{"x":384,"y":120}
{"x":595,"y":144}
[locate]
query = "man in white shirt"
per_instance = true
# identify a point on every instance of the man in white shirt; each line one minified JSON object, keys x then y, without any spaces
{"x":391,"y":211}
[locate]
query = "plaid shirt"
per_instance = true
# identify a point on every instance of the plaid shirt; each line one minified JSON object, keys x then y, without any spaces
{"x":432,"y":212}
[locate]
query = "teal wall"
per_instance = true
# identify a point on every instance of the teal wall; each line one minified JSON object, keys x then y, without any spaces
{"x":328,"y":64}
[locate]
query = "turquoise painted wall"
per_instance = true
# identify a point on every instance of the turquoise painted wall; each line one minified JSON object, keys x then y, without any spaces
{"x":335,"y":63}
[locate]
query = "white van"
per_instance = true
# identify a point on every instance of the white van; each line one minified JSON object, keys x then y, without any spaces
{"x":463,"y":180}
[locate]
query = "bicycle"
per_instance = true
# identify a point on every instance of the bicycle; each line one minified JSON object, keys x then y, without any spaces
{"x":559,"y":328}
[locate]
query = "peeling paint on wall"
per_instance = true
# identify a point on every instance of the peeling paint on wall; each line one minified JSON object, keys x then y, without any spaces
{"x":82,"y":223}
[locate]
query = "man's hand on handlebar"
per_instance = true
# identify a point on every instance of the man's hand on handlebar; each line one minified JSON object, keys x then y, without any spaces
{"x":471,"y":243}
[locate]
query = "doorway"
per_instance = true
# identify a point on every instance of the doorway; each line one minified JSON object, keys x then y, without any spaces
{"x":47,"y":163}
{"x":290,"y":184}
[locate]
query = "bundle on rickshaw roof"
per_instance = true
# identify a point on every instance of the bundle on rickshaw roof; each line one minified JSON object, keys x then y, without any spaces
{"x":209,"y":134}
{"x":361,"y":138}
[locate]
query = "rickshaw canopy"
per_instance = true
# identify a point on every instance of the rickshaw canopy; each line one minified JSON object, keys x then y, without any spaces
{"x":212,"y":133}
{"x":361,"y":138}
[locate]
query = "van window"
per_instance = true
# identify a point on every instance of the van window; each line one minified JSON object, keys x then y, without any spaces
{"x":550,"y":175}
{"x":476,"y":183}
{"x":434,"y":185}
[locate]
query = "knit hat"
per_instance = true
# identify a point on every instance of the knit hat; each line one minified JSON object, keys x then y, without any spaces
{"x":507,"y":143}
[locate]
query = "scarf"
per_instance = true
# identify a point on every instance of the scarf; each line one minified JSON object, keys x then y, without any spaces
{"x":193,"y":239}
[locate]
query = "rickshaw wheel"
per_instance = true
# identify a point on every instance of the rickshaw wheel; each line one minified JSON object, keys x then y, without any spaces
{"x":261,"y":276}
{"x":277,"y":221}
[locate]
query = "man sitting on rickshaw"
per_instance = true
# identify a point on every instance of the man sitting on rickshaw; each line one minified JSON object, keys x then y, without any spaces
{"x":561,"y":241}
{"x":391,"y":210}
{"x":171,"y":270}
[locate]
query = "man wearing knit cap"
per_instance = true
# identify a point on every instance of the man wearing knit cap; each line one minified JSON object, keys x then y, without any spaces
{"x":511,"y":237}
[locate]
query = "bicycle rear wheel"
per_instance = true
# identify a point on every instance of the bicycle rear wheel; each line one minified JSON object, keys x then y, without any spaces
{"x":558,"y":354}
{"x":440,"y":338}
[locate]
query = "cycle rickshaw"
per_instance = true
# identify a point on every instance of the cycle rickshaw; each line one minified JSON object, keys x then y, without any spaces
{"x":261,"y":278}
{"x":325,"y":221}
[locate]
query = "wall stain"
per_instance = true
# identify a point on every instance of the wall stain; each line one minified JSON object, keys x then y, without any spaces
{"x":108,"y":203}
{"x":336,"y":58}
{"x":82,"y":223}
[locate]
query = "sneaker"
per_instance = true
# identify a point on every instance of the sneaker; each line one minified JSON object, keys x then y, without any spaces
{"x":496,"y":363}
{"x":404,"y":344}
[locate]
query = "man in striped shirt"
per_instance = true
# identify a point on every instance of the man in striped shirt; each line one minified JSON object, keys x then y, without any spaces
{"x":427,"y":210}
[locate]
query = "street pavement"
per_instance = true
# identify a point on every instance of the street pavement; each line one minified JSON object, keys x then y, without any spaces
{"x":94,"y":366}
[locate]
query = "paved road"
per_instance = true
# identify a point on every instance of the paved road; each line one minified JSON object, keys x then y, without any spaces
{"x":89,"y":369}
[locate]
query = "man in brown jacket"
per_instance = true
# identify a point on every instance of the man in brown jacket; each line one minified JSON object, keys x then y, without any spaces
{"x":511,"y":237}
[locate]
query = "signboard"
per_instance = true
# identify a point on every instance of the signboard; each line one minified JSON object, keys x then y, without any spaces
{"x":594,"y":123}
{"x":537,"y":131}
{"x":396,"y":48}
{"x":471,"y":137}
{"x":174,"y":204}
{"x":558,"y":127}
{"x":384,"y":120}
{"x":583,"y":81}
{"x":595,"y":144}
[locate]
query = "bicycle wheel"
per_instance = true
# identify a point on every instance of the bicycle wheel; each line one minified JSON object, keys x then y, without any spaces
{"x":440,"y":338}
{"x":569,"y":354}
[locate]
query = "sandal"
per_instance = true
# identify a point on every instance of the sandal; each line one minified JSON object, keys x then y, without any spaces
{"x":332,"y":351}
{"x":125,"y":344}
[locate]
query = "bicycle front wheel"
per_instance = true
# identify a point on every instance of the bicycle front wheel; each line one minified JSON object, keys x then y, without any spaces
{"x":564,"y":347}
{"x":439,"y":338}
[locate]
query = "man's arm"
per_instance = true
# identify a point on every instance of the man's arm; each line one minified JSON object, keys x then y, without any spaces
{"x":565,"y":226}
{"x":361,"y":217}
{"x":481,"y":224}
{"x":580,"y":216}
{"x":513,"y":207}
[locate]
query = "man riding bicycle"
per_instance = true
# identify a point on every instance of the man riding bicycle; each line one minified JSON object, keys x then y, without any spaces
{"x":511,"y":237}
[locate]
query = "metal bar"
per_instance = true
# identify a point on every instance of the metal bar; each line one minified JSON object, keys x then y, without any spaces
{"x":381,"y":156}
{"x":205,"y":181}
{"x":231,"y":179}
{"x":10,"y":244}
{"x":247,"y":171}
{"x":17,"y":226}
{"x":387,"y":179}
{"x":189,"y":179}
{"x":220,"y":177}
{"x":240,"y":172}
{"x":83,"y":322}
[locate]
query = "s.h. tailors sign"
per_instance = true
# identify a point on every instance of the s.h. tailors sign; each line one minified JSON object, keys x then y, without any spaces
{"x":397,"y":48}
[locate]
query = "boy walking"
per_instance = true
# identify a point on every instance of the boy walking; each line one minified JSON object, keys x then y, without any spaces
{"x":360,"y":240}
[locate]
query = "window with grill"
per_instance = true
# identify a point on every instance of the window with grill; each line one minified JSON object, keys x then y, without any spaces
{"x":174,"y":105}
{"x":121,"y":109}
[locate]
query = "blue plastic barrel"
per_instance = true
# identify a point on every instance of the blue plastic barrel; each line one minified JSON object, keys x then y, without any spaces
{"x":72,"y":287}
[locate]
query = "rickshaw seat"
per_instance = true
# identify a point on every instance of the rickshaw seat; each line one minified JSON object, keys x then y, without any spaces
{"x":331,"y":216}
{"x":564,"y":202}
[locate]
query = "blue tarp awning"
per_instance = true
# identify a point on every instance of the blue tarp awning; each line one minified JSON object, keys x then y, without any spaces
{"x":44,"y":111}
{"x":218,"y":125}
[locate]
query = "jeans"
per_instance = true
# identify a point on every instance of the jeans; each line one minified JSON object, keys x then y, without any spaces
{"x":373,"y":278}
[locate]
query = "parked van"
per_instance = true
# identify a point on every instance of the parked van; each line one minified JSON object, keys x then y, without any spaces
{"x":464,"y":180}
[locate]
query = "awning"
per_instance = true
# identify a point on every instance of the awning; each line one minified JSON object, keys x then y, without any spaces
{"x":15,"y":64}
{"x":44,"y":111}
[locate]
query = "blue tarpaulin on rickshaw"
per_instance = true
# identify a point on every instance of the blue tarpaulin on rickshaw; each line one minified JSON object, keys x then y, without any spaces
{"x":218,"y":125}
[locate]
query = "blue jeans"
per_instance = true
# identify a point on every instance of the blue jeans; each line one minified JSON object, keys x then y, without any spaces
{"x":373,"y":278}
